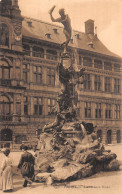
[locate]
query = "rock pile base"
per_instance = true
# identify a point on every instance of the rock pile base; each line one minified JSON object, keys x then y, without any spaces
{"x":59,"y":158}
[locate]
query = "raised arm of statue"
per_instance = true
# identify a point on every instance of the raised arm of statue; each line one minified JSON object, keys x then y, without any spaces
{"x":65,"y":20}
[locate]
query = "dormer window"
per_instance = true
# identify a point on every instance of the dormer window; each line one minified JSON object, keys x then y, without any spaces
{"x":55,"y":30}
{"x":29,"y":23}
{"x":91,"y":45}
{"x":77,"y":36}
{"x":48,"y":35}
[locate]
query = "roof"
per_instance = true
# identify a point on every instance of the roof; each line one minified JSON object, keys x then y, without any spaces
{"x":38,"y":30}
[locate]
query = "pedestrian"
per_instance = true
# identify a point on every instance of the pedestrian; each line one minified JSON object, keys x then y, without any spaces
{"x":26,"y":164}
{"x":6,"y":171}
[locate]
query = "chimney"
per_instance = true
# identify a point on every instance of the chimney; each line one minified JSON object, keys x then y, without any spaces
{"x":89,"y":27}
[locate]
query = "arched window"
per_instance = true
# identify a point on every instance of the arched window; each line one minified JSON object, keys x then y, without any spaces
{"x":4,"y":35}
{"x":5,"y":105}
{"x":109,"y":137}
{"x":118,"y":134}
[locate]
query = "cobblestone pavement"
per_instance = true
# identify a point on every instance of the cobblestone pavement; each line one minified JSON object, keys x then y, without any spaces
{"x":101,"y":183}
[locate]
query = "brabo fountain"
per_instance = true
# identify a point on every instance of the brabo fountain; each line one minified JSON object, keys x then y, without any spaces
{"x":60,"y":158}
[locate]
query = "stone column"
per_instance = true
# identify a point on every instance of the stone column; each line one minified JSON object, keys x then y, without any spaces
{"x":104,"y":136}
{"x":22,"y":108}
{"x":103,"y":111}
{"x":114,"y":136}
{"x":44,"y":75}
{"x":14,"y":107}
{"x":45,"y":106}
{"x":82,"y":104}
{"x":21,"y":70}
{"x":45,"y":53}
{"x":92,"y":62}
{"x":81,"y":62}
{"x":14,"y":68}
{"x":31,"y":74}
{"x":31,"y":50}
{"x":92,"y":110}
{"x":112,"y":84}
{"x":102,"y":83}
{"x":92,"y":82}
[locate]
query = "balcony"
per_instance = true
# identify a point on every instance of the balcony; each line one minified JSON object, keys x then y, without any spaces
{"x":5,"y":82}
{"x":6,"y":118}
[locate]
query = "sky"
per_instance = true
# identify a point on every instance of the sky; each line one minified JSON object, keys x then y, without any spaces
{"x":107,"y":15}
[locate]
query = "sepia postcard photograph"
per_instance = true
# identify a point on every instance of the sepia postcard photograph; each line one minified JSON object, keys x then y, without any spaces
{"x":61,"y":96}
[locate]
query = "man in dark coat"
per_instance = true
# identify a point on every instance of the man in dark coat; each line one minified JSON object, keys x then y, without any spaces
{"x":26,"y":165}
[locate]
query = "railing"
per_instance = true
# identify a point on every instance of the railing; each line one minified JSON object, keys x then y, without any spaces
{"x":6,"y":118}
{"x":5,"y":82}
{"x":4,"y":144}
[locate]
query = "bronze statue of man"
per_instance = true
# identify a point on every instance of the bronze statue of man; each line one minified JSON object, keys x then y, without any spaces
{"x":65,"y":20}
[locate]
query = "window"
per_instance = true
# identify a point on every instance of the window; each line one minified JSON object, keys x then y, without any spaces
{"x":51,"y":77}
{"x":88,"y":109}
{"x":117,"y":67}
{"x":80,"y":60}
{"x":37,"y":71}
{"x":98,"y":110}
{"x":18,"y":108}
{"x":51,"y":55}
{"x":107,"y":84}
{"x":117,"y":111}
{"x":4,"y":70}
{"x":26,"y":49}
{"x":25,"y":105}
{"x":51,"y":104}
{"x":107,"y":66}
{"x":87,"y":62}
{"x":87,"y":81}
{"x":20,"y":138}
{"x":25,"y":72}
{"x":108,"y":111}
{"x":117,"y":85}
{"x":4,"y":35}
{"x":78,"y":109}
{"x":5,"y":105}
{"x":38,"y":52}
{"x":98,"y":64}
{"x":17,"y":73}
{"x":118,"y":136}
{"x":38,"y":106}
{"x":97,"y":83}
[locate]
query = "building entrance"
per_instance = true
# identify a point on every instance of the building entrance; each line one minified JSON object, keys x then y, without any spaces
{"x":118,"y":136}
{"x":6,"y":137}
{"x":109,"y":138}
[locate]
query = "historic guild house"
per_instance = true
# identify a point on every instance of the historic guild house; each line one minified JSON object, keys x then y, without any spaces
{"x":29,"y":56}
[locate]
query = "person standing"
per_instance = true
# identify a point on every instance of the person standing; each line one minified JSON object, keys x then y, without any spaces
{"x":26,"y":164}
{"x":6,"y":171}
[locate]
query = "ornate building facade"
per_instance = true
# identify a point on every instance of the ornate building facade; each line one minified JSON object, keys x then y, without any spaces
{"x":29,"y":56}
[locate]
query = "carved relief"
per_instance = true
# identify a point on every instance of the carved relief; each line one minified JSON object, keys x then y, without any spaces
{"x":18,"y":32}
